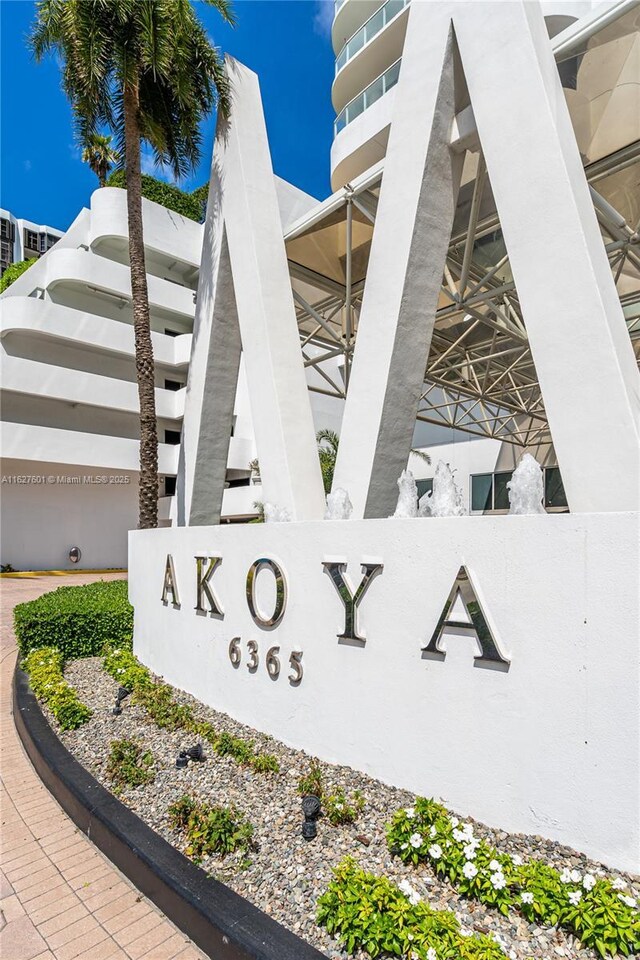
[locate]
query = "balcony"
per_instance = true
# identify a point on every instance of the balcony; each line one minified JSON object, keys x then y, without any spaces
{"x":370,"y":95}
{"x":368,"y":30}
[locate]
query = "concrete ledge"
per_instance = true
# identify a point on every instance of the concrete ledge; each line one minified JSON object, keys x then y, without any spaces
{"x":223,"y":924}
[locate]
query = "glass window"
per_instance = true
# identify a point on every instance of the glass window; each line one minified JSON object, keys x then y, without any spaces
{"x":391,"y":76}
{"x":554,"y":495}
{"x":172,"y":437}
{"x":424,"y":486}
{"x":500,"y":492}
{"x":30,"y":240}
{"x":481,"y":487}
{"x":169,"y":486}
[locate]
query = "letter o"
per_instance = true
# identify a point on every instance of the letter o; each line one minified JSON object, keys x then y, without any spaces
{"x":281,"y":593}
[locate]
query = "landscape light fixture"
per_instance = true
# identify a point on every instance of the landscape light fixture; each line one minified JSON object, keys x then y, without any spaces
{"x":121,"y":695}
{"x":74,"y":554}
{"x":193,"y":753}
{"x":311,"y":810}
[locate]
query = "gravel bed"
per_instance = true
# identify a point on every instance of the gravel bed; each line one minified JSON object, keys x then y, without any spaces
{"x":287,"y":874}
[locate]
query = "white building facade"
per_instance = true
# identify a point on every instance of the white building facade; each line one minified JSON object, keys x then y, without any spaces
{"x":23,"y":240}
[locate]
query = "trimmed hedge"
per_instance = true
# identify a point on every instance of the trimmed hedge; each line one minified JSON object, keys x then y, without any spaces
{"x":190,"y":205}
{"x":79,"y":621}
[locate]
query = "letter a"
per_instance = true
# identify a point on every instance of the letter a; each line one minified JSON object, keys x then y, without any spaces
{"x":170,"y":585}
{"x":462,"y":611}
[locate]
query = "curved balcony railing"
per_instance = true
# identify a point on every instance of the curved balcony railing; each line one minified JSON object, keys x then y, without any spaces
{"x":376,"y":22}
{"x":376,"y":89}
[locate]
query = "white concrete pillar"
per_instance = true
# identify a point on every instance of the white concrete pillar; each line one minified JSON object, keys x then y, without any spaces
{"x":244,"y":296}
{"x":412,"y":232}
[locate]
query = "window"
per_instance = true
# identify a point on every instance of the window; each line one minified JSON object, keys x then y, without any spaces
{"x":424,"y":486}
{"x":489,"y":490}
{"x":171,"y":333}
{"x":172,"y":437}
{"x":173,"y":385}
{"x":30,"y":240}
{"x":500,"y":492}
{"x":554,"y":495}
{"x":7,"y":230}
{"x":169,"y":486}
{"x":482,"y":491}
{"x":238,"y":482}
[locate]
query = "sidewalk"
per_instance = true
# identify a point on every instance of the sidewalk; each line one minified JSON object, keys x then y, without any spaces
{"x":60,"y":899}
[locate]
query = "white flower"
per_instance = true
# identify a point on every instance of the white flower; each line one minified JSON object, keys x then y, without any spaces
{"x":467,"y":829}
{"x":588,"y":881}
{"x":415,"y":840}
{"x":497,"y":881}
{"x":431,"y":954}
{"x":339,"y":806}
{"x":575,"y":897}
{"x":470,"y":851}
{"x":494,"y":865}
{"x":630,"y":902}
{"x":527,"y":898}
{"x":407,"y":889}
{"x":410,"y":812}
{"x":565,"y":876}
{"x":618,"y":884}
{"x":470,"y":870}
{"x":517,"y":860}
{"x":433,"y":832}
{"x":454,"y":821}
{"x":403,"y":846}
{"x":459,"y":836}
{"x":435,"y":851}
{"x":576,"y":876}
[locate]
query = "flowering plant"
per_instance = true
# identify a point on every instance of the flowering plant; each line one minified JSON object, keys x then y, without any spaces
{"x":342,"y":809}
{"x":371,"y":913}
{"x":596,"y":910}
{"x":44,"y":666}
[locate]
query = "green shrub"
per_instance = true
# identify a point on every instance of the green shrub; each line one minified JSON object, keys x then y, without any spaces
{"x":129,"y":764}
{"x":79,"y":621}
{"x":372,"y":914}
{"x":265,"y":763}
{"x":189,"y":205}
{"x":210,"y":829}
{"x":121,"y":664}
{"x":44,"y":667}
{"x":14,"y":271}
{"x":311,"y":783}
{"x":590,"y":908}
{"x":340,"y":808}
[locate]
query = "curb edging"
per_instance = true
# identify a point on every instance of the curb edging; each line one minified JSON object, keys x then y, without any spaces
{"x":223,"y":924}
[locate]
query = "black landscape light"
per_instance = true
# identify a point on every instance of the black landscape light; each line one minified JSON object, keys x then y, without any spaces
{"x":311,"y":810}
{"x":121,"y":695}
{"x":193,"y":753}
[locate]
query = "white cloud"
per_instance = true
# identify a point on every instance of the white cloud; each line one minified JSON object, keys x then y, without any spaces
{"x":27,"y":165}
{"x":323,"y":17}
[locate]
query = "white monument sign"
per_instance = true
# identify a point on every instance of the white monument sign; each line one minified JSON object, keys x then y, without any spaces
{"x":490,"y":661}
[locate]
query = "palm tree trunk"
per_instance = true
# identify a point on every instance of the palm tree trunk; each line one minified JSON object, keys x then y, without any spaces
{"x":148,"y":488}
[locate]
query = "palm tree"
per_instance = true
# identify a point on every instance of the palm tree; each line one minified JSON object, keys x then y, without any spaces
{"x":327,"y":441}
{"x":144,"y":69}
{"x":100,"y":155}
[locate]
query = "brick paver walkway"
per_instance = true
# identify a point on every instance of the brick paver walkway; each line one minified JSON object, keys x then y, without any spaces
{"x":60,"y":899}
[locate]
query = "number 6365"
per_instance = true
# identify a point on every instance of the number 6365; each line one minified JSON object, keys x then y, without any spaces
{"x":272,"y":660}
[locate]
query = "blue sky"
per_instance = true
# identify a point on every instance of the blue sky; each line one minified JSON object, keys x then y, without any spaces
{"x":286,"y":42}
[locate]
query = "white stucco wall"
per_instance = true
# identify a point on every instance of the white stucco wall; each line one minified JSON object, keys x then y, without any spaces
{"x":41,"y":519}
{"x":552,"y":746}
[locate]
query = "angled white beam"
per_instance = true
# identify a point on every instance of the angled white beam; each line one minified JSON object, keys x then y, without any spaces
{"x":245,"y":302}
{"x":580,"y":346}
{"x":410,"y":240}
{"x":280,"y":406}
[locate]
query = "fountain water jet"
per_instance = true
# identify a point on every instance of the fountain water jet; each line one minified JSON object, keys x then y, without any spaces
{"x":445,"y":500}
{"x":526,"y":487}
{"x":339,"y":505}
{"x":407,"y":496}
